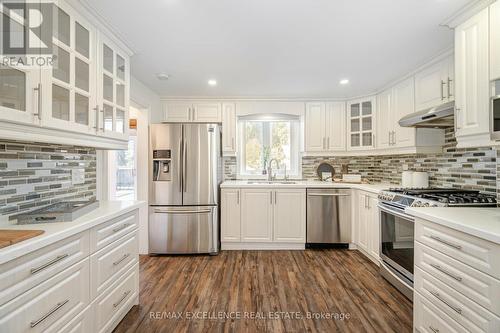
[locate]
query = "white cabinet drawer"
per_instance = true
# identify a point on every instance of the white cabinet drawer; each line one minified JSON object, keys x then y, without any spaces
{"x":50,"y":305}
{"x":429,"y":319}
{"x":80,"y":324}
{"x":22,"y":274}
{"x":110,"y":262}
{"x":475,"y":252}
{"x":479,"y":287}
{"x":108,"y":232}
{"x":467,"y":313}
{"x":113,"y":305}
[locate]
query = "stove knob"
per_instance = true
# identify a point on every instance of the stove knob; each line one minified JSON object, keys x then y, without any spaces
{"x":426,"y":204}
{"x":417,"y":204}
{"x":434,"y":205}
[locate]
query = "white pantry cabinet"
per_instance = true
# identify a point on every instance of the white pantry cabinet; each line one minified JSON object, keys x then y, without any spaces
{"x":325,"y":127}
{"x":472,"y":80}
{"x":434,"y":85}
{"x":361,"y":123}
{"x":495,"y":41}
{"x":367,"y":233}
{"x":263,"y":218}
{"x":229,"y":129}
{"x":196,"y":112}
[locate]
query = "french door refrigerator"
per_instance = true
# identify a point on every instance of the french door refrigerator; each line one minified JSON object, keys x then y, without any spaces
{"x":185,"y":162}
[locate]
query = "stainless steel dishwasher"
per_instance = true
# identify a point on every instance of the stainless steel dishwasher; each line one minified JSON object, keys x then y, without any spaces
{"x":328,"y":216}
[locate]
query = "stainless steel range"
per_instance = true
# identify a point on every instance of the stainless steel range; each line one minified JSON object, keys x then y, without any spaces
{"x":397,"y":227}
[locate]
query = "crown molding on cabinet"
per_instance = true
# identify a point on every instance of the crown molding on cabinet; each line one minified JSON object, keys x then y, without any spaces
{"x":466,"y":12}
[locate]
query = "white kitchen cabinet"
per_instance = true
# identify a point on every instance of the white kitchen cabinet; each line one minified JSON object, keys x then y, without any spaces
{"x":367,"y":229}
{"x":472,"y":79}
{"x":229,"y":129}
{"x":187,"y":111}
{"x":495,"y":41}
{"x":256,"y":215}
{"x":68,"y":90}
{"x":403,"y":104}
{"x":325,"y":127}
{"x":385,"y":128}
{"x":434,"y":85}
{"x":289,"y":216}
{"x":113,"y":90}
{"x":230,"y":215}
{"x":361,"y":123}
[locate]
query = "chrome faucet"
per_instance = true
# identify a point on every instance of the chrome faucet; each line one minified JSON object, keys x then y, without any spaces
{"x":270,"y":175}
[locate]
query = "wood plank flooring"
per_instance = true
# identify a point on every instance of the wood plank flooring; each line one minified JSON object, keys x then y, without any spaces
{"x":258,"y":282}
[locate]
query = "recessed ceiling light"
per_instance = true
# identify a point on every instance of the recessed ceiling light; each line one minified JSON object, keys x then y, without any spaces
{"x":344,"y":81}
{"x":212,"y":82}
{"x":162,"y":76}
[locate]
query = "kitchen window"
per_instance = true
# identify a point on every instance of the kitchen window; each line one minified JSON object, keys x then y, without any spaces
{"x":267,"y":137}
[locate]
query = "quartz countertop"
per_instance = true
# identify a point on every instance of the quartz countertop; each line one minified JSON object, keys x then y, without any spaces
{"x":57,"y":231}
{"x":374,"y":188}
{"x":480,"y":222}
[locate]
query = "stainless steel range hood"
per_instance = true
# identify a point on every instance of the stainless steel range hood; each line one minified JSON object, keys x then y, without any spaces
{"x":437,"y":117}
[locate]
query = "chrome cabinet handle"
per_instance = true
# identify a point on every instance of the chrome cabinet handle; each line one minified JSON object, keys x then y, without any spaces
{"x":271,"y":197}
{"x":121,"y":228}
{"x":449,"y":89}
{"x":435,"y":330}
{"x":125,"y":256}
{"x":454,"y":308}
{"x":125,"y":294}
{"x":38,"y":89}
{"x":48,"y":264}
{"x":102,"y":127}
{"x":232,"y":143}
{"x":48,"y":314}
{"x":390,"y":138}
{"x":442,"y":86}
{"x":96,"y":109}
{"x":393,"y":137}
{"x":439,"y":268}
{"x":437,"y":239}
{"x":238,"y":197}
{"x":275,"y":197}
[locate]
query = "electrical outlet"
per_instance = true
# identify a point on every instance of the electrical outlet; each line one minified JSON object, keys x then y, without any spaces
{"x":77,"y":176}
{"x":405,"y":167}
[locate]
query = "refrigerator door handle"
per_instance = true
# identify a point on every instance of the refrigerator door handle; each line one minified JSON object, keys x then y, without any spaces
{"x":184,"y":166}
{"x":179,"y":166}
{"x":177,"y":211}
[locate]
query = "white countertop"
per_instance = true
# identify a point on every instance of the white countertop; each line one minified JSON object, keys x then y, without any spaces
{"x":374,"y":188}
{"x":480,"y":222}
{"x":57,"y":231}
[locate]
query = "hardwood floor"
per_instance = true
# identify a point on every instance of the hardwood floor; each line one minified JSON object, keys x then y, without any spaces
{"x":259,"y":282}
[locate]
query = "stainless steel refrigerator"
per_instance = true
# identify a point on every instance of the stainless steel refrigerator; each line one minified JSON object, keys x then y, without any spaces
{"x":185,"y":162}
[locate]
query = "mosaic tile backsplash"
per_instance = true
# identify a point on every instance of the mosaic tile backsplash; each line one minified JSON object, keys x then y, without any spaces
{"x":33,"y":175}
{"x":471,"y":168}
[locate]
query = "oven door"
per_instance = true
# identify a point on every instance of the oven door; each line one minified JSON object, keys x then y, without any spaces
{"x":396,"y":240}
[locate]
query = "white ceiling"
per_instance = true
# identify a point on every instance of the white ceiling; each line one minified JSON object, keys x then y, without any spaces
{"x":278,"y":48}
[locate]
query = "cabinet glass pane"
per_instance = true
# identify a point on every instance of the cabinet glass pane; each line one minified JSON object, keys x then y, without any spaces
{"x":12,"y":88}
{"x":355,"y":110}
{"x":60,"y":102}
{"x":107,"y":58}
{"x":367,"y":108}
{"x":81,"y":74}
{"x":120,"y":67}
{"x":120,"y":94}
{"x":355,"y":140}
{"x":120,"y":121}
{"x":355,"y":125}
{"x":367,"y":124}
{"x":108,"y":118}
{"x":107,"y":85}
{"x":367,"y":139}
{"x":62,"y":26}
{"x":81,"y":109}
{"x":17,"y":31}
{"x":82,"y":40}
{"x":61,"y":64}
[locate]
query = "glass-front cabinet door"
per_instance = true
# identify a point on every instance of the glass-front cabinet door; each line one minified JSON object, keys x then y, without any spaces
{"x":361,"y":124}
{"x":113,"y":84}
{"x":19,"y":86}
{"x":68,"y":88}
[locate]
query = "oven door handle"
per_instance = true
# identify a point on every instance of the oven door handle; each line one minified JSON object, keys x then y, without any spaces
{"x":396,"y":213}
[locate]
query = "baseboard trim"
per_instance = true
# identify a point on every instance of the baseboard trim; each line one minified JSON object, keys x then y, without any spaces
{"x":262,"y":246}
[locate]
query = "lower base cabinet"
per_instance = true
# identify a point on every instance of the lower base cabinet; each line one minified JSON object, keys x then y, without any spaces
{"x":367,"y":225}
{"x":263,"y":218}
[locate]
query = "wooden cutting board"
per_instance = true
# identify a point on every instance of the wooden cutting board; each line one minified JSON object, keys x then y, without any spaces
{"x":9,"y":237}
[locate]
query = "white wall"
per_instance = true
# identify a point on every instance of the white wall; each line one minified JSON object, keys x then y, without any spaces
{"x":145,"y":98}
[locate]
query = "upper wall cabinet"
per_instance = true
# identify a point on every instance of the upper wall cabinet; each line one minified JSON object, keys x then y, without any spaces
{"x":82,"y":100}
{"x":325,"y":125}
{"x":434,"y":85}
{"x":198,"y":112}
{"x":361,"y":123}
{"x":229,"y":129}
{"x":472,"y":80}
{"x":495,"y":41}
